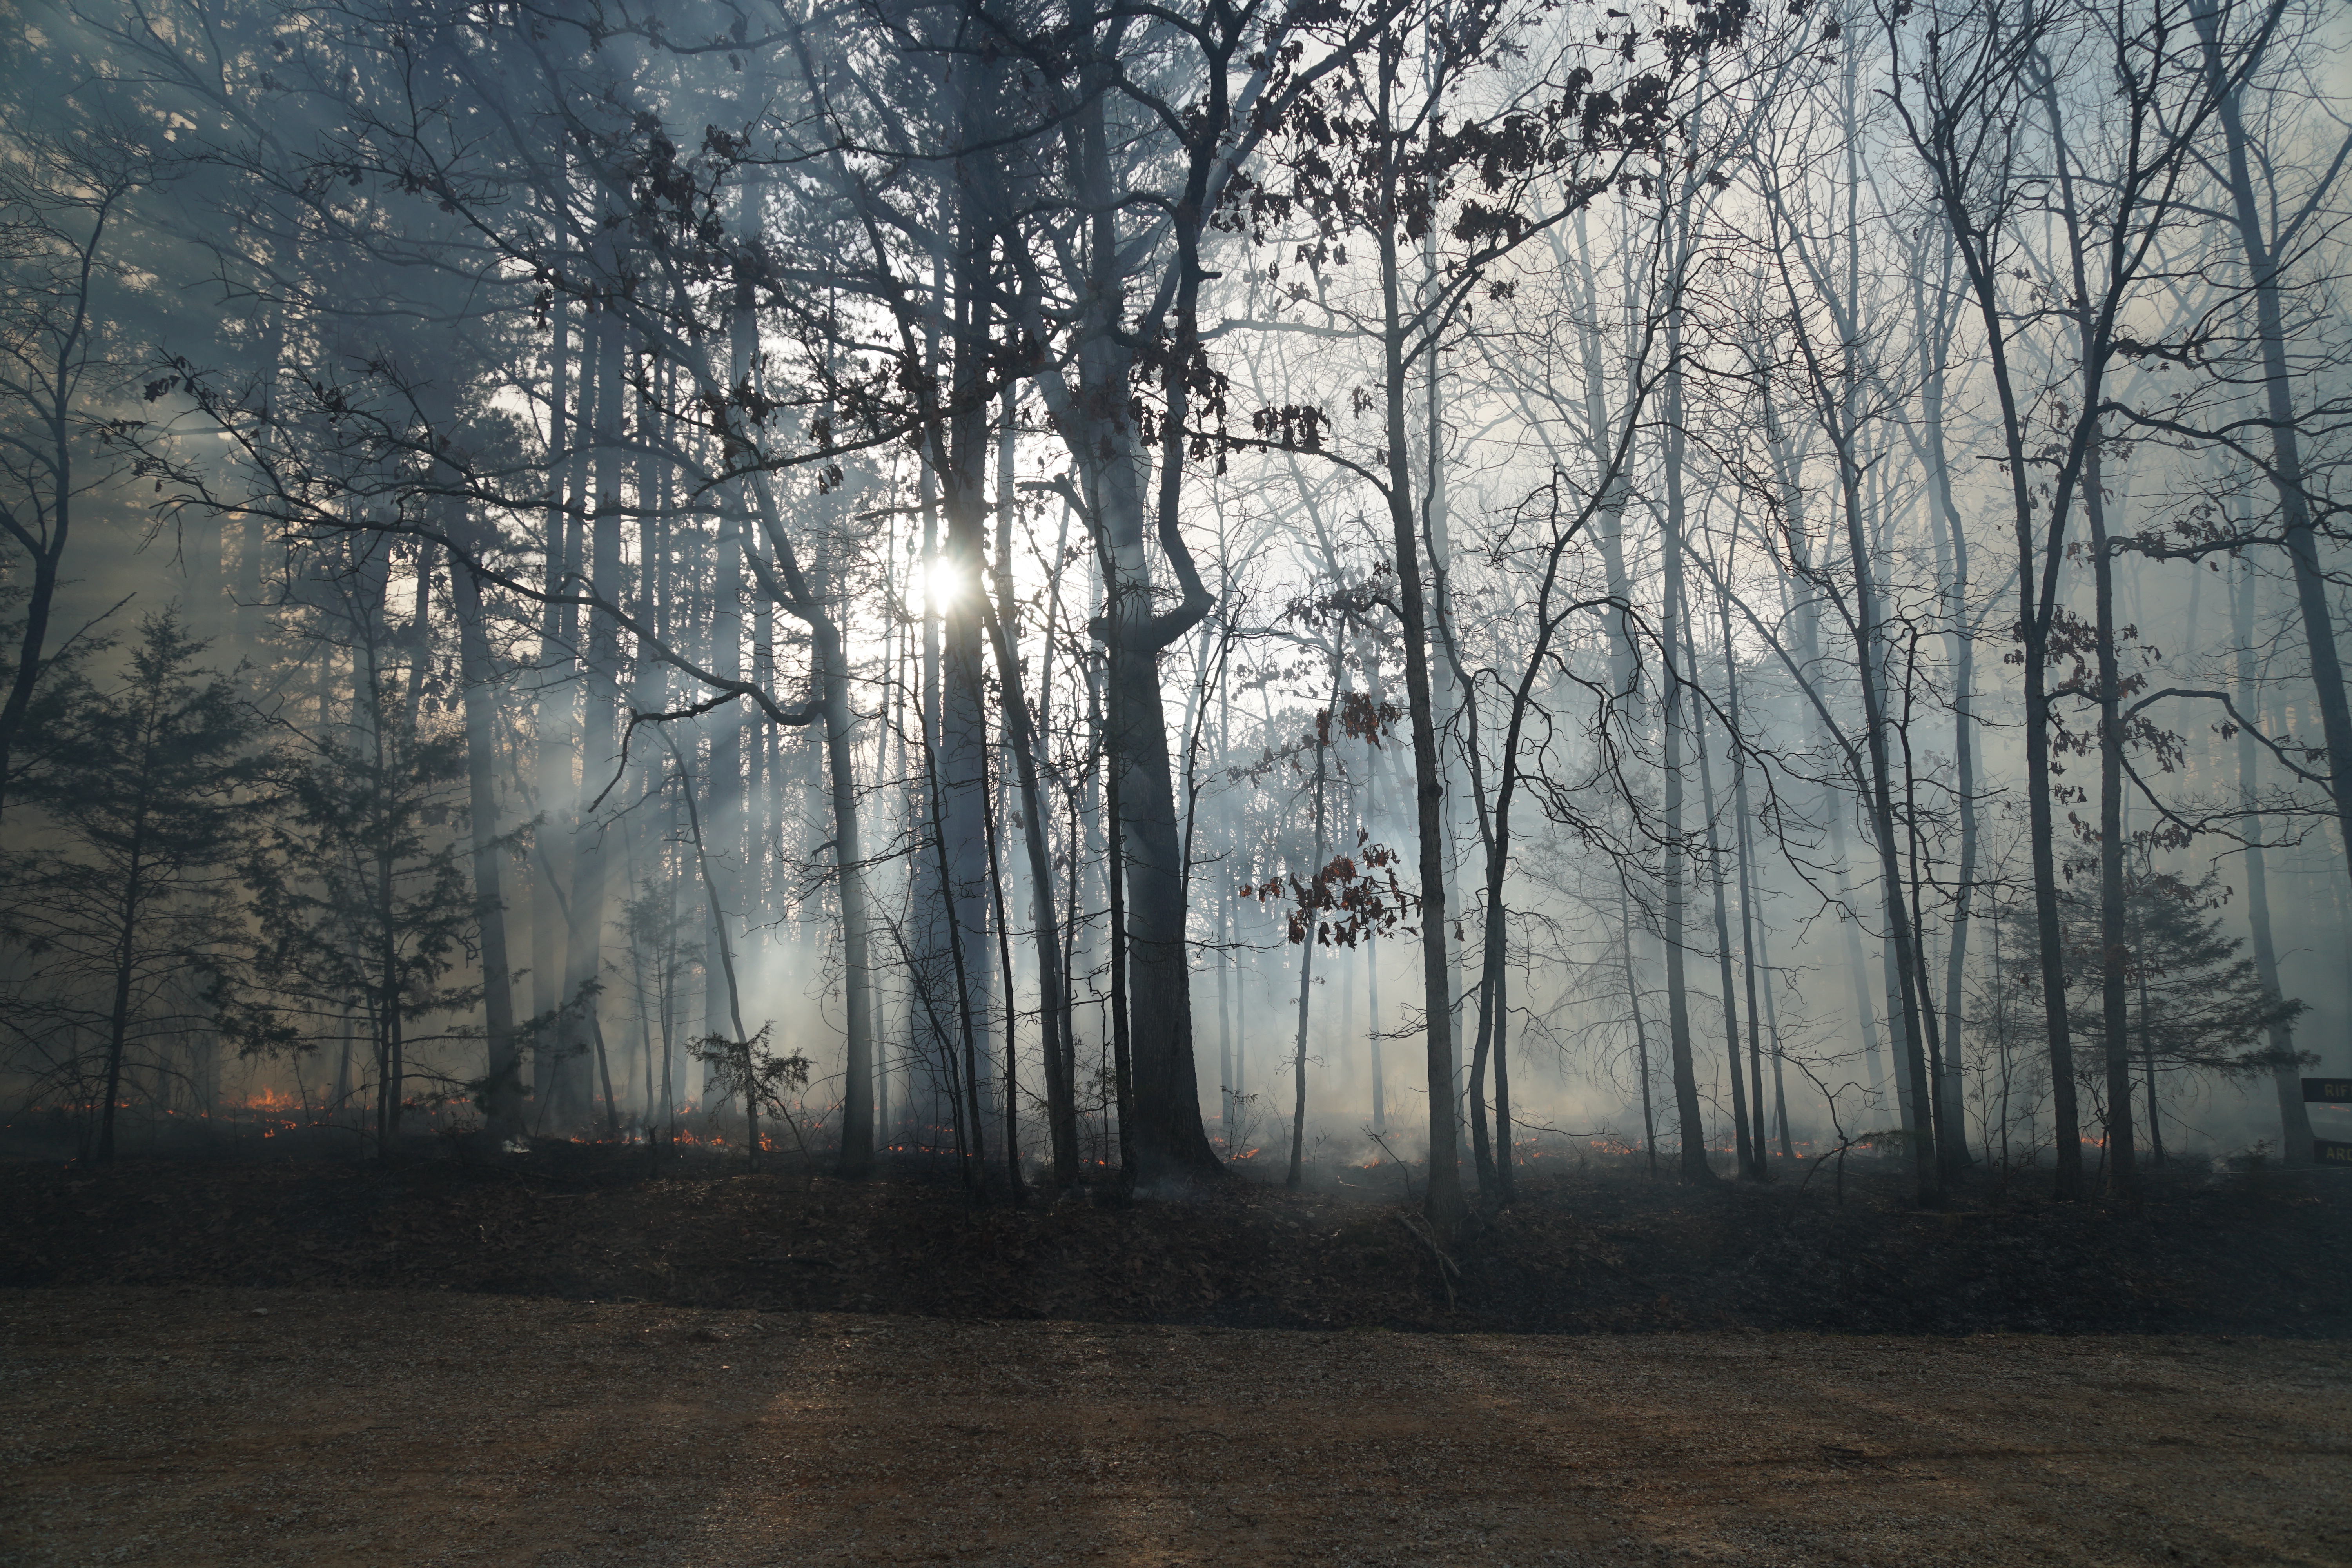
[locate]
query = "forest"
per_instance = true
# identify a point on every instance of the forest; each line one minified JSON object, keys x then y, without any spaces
{"x":1100,"y":594}
{"x":841,"y":776}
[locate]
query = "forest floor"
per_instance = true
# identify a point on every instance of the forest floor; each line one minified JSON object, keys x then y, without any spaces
{"x":570,"y":1358}
{"x":1600,"y":1248}
{"x":303,"y":1428}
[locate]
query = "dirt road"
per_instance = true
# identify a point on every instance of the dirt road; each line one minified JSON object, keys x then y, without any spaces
{"x":265,"y":1428}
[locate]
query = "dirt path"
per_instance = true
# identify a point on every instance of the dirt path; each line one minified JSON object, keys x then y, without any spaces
{"x":264,"y":1427}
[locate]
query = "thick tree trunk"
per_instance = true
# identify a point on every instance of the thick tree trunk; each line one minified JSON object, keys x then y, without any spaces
{"x":856,"y":918}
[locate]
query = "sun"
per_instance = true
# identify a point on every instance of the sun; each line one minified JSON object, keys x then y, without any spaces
{"x":937,"y":587}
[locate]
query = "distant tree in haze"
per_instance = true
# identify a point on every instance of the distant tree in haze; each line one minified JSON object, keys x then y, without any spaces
{"x":2197,"y":1005}
{"x":65,"y":380}
{"x":120,"y":908}
{"x":361,"y":901}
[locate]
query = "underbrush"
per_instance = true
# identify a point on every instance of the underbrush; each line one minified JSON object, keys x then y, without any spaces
{"x":1594,"y":1246}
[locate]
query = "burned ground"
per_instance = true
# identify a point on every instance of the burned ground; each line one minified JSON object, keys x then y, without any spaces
{"x":1602,"y":1248}
{"x":570,"y":1358}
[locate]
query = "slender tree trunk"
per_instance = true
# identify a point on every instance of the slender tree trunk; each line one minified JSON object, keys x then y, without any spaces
{"x":48,"y":552}
{"x":2114,"y":951}
{"x":2294,"y":1116}
{"x":1053,"y":1000}
{"x":1691,"y":1119}
{"x":741,"y":1041}
{"x":118,"y":1017}
{"x":726,"y":818}
{"x":1641,"y":1030}
{"x":1747,"y":897}
{"x":1944,"y":145}
{"x":1961,"y":649}
{"x":1115,"y":877}
{"x":1749,"y":1152}
{"x":1224,"y":960}
{"x":1306,"y":948}
{"x":1014,"y":1180}
{"x":1880,"y":787}
{"x":501,"y":1095}
{"x":961,"y":760}
{"x":1374,"y":689}
{"x":2286,"y":465}
{"x":599,"y":728}
{"x":2148,"y":1059}
{"x":2114,"y":955}
{"x":552,"y":731}
{"x":1444,"y":1199}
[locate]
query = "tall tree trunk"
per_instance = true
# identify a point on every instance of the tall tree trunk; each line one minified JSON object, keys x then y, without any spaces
{"x":1804,"y":616}
{"x":1880,"y":786}
{"x":2115,"y":953}
{"x":1951,"y":534}
{"x":741,"y":1039}
{"x":1836,"y":392}
{"x":1945,"y":144}
{"x":1306,"y":948}
{"x":1641,"y":1030}
{"x":1690,"y":1118}
{"x":1015,"y":1181}
{"x":2115,"y":950}
{"x":552,"y":731}
{"x":1442,"y":1200}
{"x":2294,"y":1116}
{"x":962,"y":755}
{"x":857,"y":916}
{"x":501,"y":1094}
{"x":1749,"y":1151}
{"x":1053,"y":1000}
{"x":2286,"y":467}
{"x":1747,"y":895}
{"x":1456,"y":719}
{"x":118,"y":1017}
{"x":1116,"y":879}
{"x":599,"y":730}
{"x":724,"y":799}
{"x":1167,"y":1132}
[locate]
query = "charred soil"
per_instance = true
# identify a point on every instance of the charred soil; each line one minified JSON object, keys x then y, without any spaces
{"x":1597,"y":1250}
